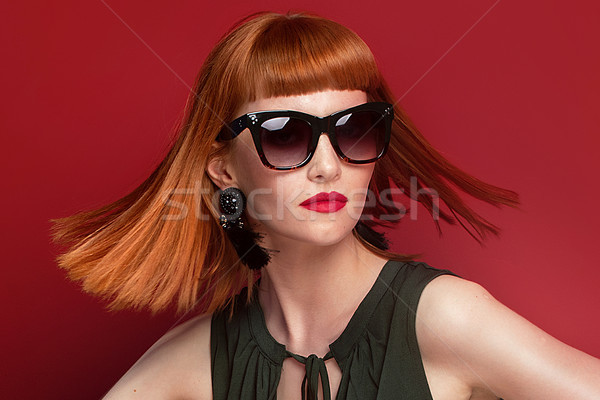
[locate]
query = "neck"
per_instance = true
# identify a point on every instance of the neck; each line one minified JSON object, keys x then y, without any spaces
{"x":308,"y":295}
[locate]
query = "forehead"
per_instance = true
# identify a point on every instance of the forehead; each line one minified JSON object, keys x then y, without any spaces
{"x":321,"y":103}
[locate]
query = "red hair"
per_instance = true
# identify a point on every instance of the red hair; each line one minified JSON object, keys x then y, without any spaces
{"x":133,"y":254}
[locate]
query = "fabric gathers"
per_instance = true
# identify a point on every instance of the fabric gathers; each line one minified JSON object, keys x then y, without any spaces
{"x":377,"y":353}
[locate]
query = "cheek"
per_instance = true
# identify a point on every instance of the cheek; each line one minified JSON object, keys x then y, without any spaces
{"x":359,"y":192}
{"x":247,"y":167}
{"x":258,"y":182}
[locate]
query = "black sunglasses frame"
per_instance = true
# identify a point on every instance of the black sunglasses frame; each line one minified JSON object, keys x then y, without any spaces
{"x":319,"y":125}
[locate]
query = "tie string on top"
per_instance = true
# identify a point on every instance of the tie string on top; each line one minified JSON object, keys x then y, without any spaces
{"x":315,"y":367}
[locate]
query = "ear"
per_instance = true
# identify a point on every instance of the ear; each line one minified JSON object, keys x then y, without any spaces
{"x":219,"y":170}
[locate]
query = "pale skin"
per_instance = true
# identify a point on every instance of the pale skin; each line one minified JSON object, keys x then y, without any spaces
{"x":472,"y":346}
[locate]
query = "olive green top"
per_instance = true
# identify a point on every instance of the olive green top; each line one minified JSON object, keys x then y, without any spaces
{"x":377,"y":352}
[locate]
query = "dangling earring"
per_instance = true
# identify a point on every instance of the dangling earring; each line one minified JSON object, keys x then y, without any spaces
{"x":245,"y":241}
{"x":377,"y":239}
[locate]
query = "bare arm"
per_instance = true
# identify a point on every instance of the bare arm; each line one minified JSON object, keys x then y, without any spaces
{"x":177,"y":366}
{"x":493,"y":350}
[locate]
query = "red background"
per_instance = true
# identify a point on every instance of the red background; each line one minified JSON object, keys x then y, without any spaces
{"x":507,"y":90}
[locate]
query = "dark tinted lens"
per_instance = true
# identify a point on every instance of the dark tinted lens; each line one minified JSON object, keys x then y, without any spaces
{"x":285,"y":140}
{"x":361,"y":135}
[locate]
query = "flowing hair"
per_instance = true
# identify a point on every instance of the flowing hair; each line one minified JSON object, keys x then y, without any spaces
{"x":136,"y":253}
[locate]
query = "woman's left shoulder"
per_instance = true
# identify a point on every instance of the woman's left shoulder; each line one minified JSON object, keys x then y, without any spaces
{"x":462,"y":328}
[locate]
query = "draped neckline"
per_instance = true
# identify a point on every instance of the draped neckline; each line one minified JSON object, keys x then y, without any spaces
{"x":342,"y":346}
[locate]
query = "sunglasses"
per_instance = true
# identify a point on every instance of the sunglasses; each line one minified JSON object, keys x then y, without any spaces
{"x":287,"y":140}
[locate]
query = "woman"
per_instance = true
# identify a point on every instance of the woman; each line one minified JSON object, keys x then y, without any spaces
{"x":289,"y":142}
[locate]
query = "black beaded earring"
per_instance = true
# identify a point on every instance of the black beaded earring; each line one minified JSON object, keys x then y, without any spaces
{"x":245,"y":241}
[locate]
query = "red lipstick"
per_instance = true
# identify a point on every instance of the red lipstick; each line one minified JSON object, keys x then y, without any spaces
{"x":325,"y":202}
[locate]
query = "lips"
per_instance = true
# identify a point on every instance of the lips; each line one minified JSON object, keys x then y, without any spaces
{"x":325,"y":202}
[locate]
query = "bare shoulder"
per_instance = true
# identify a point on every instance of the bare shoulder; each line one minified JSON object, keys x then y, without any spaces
{"x":178,"y":366}
{"x":494,"y":351}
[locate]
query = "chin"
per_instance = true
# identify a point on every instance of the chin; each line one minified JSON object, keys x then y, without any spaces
{"x":320,"y":235}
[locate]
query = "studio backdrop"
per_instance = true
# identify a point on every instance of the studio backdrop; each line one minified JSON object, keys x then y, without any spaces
{"x":507,"y":90}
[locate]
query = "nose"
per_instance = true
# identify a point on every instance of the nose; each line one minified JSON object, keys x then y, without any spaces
{"x":325,"y":164}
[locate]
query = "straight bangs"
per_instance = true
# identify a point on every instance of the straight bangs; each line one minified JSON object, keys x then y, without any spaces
{"x":295,"y":56}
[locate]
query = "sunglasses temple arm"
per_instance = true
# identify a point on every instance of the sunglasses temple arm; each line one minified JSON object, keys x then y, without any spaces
{"x":232,"y":130}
